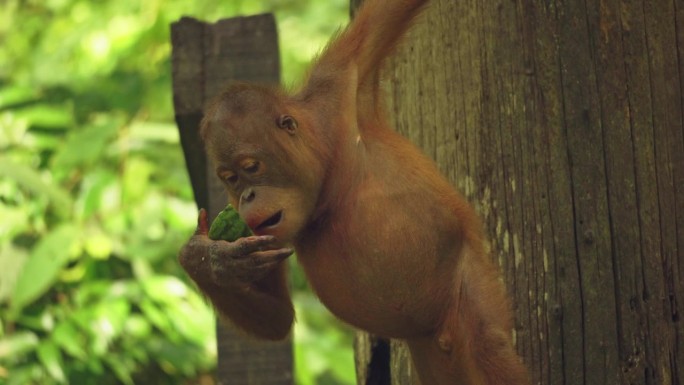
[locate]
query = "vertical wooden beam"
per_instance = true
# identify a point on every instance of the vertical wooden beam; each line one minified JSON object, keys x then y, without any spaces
{"x":206,"y":57}
{"x":563,"y":123}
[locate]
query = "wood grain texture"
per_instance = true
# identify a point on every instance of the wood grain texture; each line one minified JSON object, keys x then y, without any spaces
{"x":562,"y":122}
{"x":206,"y":57}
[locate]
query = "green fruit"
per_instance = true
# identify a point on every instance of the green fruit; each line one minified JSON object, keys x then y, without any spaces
{"x":228,"y":226}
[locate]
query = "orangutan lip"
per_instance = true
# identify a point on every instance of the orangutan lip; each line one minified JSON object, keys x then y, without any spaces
{"x":272,"y":221}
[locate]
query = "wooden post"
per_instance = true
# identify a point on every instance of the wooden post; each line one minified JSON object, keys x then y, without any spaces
{"x":562,"y":122}
{"x":206,"y":57}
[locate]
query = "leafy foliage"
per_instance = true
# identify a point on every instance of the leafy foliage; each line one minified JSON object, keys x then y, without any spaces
{"x":96,"y":202}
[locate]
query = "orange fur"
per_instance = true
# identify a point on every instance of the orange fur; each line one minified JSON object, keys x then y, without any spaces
{"x":386,"y":242}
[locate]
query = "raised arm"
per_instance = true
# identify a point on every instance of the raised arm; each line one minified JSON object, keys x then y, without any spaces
{"x":371,"y":37}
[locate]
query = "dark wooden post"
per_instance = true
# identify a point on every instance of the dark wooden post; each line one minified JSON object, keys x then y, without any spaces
{"x":562,"y":122}
{"x":206,"y":57}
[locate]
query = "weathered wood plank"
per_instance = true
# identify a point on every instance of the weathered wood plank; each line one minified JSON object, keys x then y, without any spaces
{"x":563,"y":123}
{"x":206,"y":57}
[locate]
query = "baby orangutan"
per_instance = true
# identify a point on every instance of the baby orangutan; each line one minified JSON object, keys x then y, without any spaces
{"x":386,"y":242}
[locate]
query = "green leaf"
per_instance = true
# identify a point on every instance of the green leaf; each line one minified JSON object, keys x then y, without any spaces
{"x":85,"y":146}
{"x":165,"y":289}
{"x":89,"y":292}
{"x":136,"y":178}
{"x":99,"y":193}
{"x":30,"y":373}
{"x":98,"y":245}
{"x":40,"y":271}
{"x":108,"y":323}
{"x":51,"y":358}
{"x":173,"y":357}
{"x":323,"y":348}
{"x":122,"y":368}
{"x":47,"y":116}
{"x":12,"y":260}
{"x":67,"y":336}
{"x":157,"y":317}
{"x":154,"y":131}
{"x":14,"y":94}
{"x":191,"y":319}
{"x":15,"y":220}
{"x":137,"y":327}
{"x":31,"y":180}
{"x":17,"y":344}
{"x":12,"y":130}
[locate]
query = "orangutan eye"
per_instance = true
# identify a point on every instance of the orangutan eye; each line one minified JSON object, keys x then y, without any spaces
{"x":251,"y":167}
{"x":228,"y":177}
{"x":288,"y":123}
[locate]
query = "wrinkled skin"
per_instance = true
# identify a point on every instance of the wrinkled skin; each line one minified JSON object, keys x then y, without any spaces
{"x":240,"y":263}
{"x":233,"y":273}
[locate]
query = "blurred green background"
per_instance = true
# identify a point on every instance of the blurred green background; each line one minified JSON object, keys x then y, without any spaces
{"x":95,"y":200}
